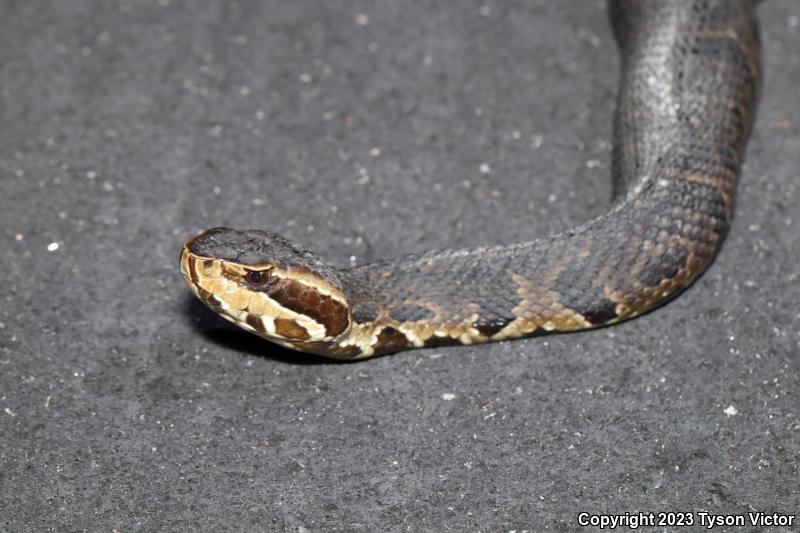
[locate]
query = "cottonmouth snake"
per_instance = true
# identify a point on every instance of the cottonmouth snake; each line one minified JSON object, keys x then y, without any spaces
{"x":689,"y":80}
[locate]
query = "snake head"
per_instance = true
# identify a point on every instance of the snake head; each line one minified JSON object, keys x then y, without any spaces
{"x":268,"y":285}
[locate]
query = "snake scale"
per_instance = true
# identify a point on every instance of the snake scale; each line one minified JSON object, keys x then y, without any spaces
{"x":690,"y":73}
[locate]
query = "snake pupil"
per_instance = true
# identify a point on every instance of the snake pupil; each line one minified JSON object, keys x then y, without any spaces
{"x":255,"y":277}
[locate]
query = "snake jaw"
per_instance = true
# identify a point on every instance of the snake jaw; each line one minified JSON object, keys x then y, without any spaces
{"x":287,"y":302}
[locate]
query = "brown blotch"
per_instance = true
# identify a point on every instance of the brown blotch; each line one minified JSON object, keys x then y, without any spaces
{"x":435,"y":341}
{"x":599,"y":313}
{"x":488,"y":328}
{"x":256,"y":323}
{"x":290,"y":329}
{"x":391,"y":338}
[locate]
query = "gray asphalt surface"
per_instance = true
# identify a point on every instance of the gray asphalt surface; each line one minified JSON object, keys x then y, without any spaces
{"x":363,"y":129}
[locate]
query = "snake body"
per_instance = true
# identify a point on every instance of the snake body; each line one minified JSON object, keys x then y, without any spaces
{"x":690,"y":72}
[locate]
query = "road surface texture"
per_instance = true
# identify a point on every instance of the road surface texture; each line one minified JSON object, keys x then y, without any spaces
{"x":363,"y":129}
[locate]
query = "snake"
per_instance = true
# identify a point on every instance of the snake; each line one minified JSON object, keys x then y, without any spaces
{"x":689,"y":79}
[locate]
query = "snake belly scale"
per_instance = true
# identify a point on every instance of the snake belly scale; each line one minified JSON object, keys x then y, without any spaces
{"x":690,"y":72}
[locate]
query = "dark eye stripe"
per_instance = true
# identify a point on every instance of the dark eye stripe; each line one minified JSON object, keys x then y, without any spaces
{"x":319,"y":307}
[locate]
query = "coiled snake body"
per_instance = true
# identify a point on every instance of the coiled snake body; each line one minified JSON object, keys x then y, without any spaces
{"x":689,"y":80}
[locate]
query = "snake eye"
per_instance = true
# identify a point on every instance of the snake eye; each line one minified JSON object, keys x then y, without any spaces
{"x":255,"y":277}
